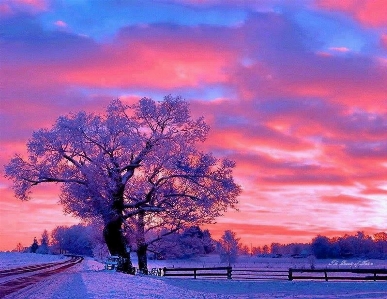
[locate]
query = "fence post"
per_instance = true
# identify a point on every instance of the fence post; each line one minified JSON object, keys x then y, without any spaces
{"x":164,"y":271}
{"x":229,"y":272}
{"x":195,"y":273}
{"x":290,"y":274}
{"x":326,"y":275}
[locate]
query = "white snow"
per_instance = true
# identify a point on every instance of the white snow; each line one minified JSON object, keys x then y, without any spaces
{"x":89,"y":280}
{"x":15,"y":259}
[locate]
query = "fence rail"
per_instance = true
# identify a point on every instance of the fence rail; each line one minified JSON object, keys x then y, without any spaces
{"x":259,"y":274}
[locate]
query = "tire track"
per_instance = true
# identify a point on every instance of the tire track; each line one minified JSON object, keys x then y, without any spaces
{"x":30,"y":268}
{"x":16,"y":284}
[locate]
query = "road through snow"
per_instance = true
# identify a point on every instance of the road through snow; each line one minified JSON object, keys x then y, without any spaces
{"x":12,"y":280}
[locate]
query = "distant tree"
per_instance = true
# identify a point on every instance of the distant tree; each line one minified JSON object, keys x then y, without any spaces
{"x":229,"y":247}
{"x":256,"y":250}
{"x":34,"y":246}
{"x":275,"y":248}
{"x":44,"y":242}
{"x":265,"y":249}
{"x":191,"y":242}
{"x":347,"y":245}
{"x":95,"y":158}
{"x":244,"y":249}
{"x":194,"y":241}
{"x":380,"y":247}
{"x":208,"y":242}
{"x":99,"y":248}
{"x":381,"y":236}
{"x":167,"y":247}
{"x":296,"y":249}
{"x":19,"y":247}
{"x":321,"y":247}
{"x":76,"y":239}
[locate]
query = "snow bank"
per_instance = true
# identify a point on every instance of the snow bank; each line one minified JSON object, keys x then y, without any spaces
{"x":16,"y":259}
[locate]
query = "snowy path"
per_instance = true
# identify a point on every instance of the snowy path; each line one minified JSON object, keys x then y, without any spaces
{"x":87,"y":280}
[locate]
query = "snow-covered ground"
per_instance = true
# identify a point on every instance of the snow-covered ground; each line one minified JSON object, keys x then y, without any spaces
{"x":89,"y":280}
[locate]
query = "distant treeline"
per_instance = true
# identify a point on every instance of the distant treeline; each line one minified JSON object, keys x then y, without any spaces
{"x":359,"y":245}
{"x":193,"y":241}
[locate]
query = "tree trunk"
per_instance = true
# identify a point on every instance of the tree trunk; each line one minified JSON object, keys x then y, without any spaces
{"x":142,"y":246}
{"x":116,"y":243}
{"x":142,"y":258}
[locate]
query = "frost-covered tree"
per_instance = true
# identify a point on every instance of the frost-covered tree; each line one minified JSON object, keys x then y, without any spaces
{"x":96,"y":157}
{"x":190,"y":242}
{"x":229,"y":247}
{"x":321,"y":247}
{"x":76,"y":239}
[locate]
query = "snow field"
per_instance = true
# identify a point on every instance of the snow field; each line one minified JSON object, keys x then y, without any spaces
{"x":89,"y":280}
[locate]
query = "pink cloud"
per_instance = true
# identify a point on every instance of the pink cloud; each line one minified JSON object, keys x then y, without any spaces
{"x":10,"y":7}
{"x":61,"y":24}
{"x":347,"y":200}
{"x":156,"y":64}
{"x":340,"y":49}
{"x":368,"y":12}
{"x":5,"y":9}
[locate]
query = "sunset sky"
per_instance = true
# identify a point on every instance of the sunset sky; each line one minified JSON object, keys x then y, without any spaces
{"x":294,"y":91}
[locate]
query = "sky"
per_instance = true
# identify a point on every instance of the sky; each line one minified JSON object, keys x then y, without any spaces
{"x":294,"y":92}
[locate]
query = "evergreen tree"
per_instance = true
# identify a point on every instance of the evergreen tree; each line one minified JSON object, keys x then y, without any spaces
{"x":44,"y":242}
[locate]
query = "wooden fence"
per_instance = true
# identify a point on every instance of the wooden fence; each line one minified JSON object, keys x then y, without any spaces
{"x":338,"y":274}
{"x":199,"y":272}
{"x":274,"y":274}
{"x":226,"y":272}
